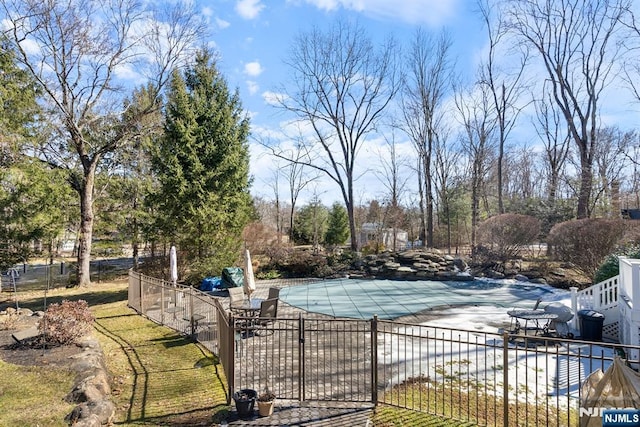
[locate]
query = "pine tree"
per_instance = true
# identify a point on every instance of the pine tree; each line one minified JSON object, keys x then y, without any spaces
{"x":202,"y":163}
{"x":338,"y":228}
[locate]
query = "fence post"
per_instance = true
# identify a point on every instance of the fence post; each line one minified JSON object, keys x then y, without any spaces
{"x":505,"y":377}
{"x":301,"y":385}
{"x":574,"y":307}
{"x":191,"y":322}
{"x":231,"y":354}
{"x":162,"y":304}
{"x":140,"y":280}
{"x":374,"y":359}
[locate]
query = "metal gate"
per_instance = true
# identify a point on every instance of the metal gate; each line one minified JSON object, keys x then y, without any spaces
{"x":306,"y":359}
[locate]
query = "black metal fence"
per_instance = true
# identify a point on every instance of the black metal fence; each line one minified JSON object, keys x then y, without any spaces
{"x":483,"y":378}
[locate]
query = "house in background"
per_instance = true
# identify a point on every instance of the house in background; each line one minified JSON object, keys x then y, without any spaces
{"x":372,"y":233}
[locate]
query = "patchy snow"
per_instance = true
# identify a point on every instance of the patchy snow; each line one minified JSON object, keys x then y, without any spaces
{"x":464,"y":346}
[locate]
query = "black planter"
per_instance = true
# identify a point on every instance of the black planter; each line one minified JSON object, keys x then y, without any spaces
{"x":245,"y":400}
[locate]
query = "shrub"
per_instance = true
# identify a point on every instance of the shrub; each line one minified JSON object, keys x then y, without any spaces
{"x":66,"y":322}
{"x":610,"y":267}
{"x":505,"y":235}
{"x":585,"y":242}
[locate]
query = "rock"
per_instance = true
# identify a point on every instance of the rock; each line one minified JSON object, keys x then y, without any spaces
{"x":25,"y":312}
{"x":88,"y":413}
{"x":521,"y":278}
{"x":432,"y":257}
{"x":460,"y":264}
{"x":492,"y":274}
{"x":413,"y":264}
{"x":539,"y":280}
{"x":421,"y":265}
{"x":463,"y":277}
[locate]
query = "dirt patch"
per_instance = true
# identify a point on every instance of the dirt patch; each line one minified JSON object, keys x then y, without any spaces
{"x":34,"y":352}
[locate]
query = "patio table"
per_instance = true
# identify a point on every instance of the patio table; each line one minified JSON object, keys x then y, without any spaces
{"x":540,"y":318}
{"x":250,"y":308}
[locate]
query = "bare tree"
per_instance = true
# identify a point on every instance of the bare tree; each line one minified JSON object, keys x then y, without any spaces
{"x":427,"y":82}
{"x":576,"y":42}
{"x":275,"y":186}
{"x":611,"y":161}
{"x":478,"y":122}
{"x":75,"y":50}
{"x":446,"y":162}
{"x":341,"y":85}
{"x":394,"y":183}
{"x":556,"y":140}
{"x":506,"y":87}
{"x":298,"y":176}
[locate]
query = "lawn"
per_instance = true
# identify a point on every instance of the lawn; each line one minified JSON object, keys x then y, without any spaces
{"x":159,"y":377}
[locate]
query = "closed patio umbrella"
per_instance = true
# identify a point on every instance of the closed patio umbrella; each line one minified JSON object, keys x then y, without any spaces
{"x":249,"y":280}
{"x":173,"y":265}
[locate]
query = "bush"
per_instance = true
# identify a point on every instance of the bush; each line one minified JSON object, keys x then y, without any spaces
{"x":505,"y":235}
{"x":585,"y":242}
{"x":610,"y":267}
{"x":66,"y":322}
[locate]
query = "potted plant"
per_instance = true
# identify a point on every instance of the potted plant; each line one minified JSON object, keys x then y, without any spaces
{"x":245,"y":400}
{"x":266,"y":401}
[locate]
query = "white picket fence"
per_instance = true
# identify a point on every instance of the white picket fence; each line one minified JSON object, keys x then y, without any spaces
{"x":618,"y":298}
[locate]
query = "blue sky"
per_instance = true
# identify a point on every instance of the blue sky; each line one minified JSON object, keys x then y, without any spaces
{"x":253,"y":37}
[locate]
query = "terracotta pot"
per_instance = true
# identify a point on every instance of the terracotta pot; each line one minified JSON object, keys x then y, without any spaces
{"x":266,"y":408}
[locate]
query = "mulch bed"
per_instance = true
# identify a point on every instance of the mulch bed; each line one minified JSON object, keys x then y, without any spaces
{"x":34,"y":352}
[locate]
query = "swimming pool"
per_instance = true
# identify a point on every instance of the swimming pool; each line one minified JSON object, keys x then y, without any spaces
{"x":389,"y":299}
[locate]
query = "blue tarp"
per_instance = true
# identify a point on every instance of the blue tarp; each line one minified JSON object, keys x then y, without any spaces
{"x":210,"y":283}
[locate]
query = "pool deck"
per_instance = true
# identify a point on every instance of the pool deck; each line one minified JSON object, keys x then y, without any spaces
{"x":409,"y":302}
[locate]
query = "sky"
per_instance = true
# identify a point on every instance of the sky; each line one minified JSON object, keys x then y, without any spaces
{"x":253,"y":38}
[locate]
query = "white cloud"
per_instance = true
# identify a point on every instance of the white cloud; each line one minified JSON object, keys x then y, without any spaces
{"x":249,"y":9}
{"x":253,"y":69}
{"x":222,"y":24}
{"x":253,"y":87}
{"x":273,"y":98}
{"x":431,"y":12}
{"x":207,"y":12}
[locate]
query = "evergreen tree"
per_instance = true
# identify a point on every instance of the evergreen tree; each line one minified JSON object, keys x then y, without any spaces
{"x":338,"y":227}
{"x":34,"y":205}
{"x":18,"y":107}
{"x":202,"y":164}
{"x":310,"y":225}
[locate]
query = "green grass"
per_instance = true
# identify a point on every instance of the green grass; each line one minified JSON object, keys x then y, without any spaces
{"x":454,"y":403}
{"x":159,"y":377}
{"x":388,"y":416}
{"x":33,"y":396}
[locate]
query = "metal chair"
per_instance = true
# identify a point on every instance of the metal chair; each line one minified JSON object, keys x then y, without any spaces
{"x":268,"y":314}
{"x":236,"y":297}
{"x":274,"y":293}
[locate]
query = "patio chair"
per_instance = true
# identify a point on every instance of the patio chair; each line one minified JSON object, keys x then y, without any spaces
{"x":254,"y":326}
{"x":274,"y":293}
{"x":236,"y":297}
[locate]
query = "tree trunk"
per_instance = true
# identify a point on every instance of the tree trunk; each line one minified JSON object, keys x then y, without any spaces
{"x":83,"y":268}
{"x":428,"y":199}
{"x":586,"y":184}
{"x":423,"y":215}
